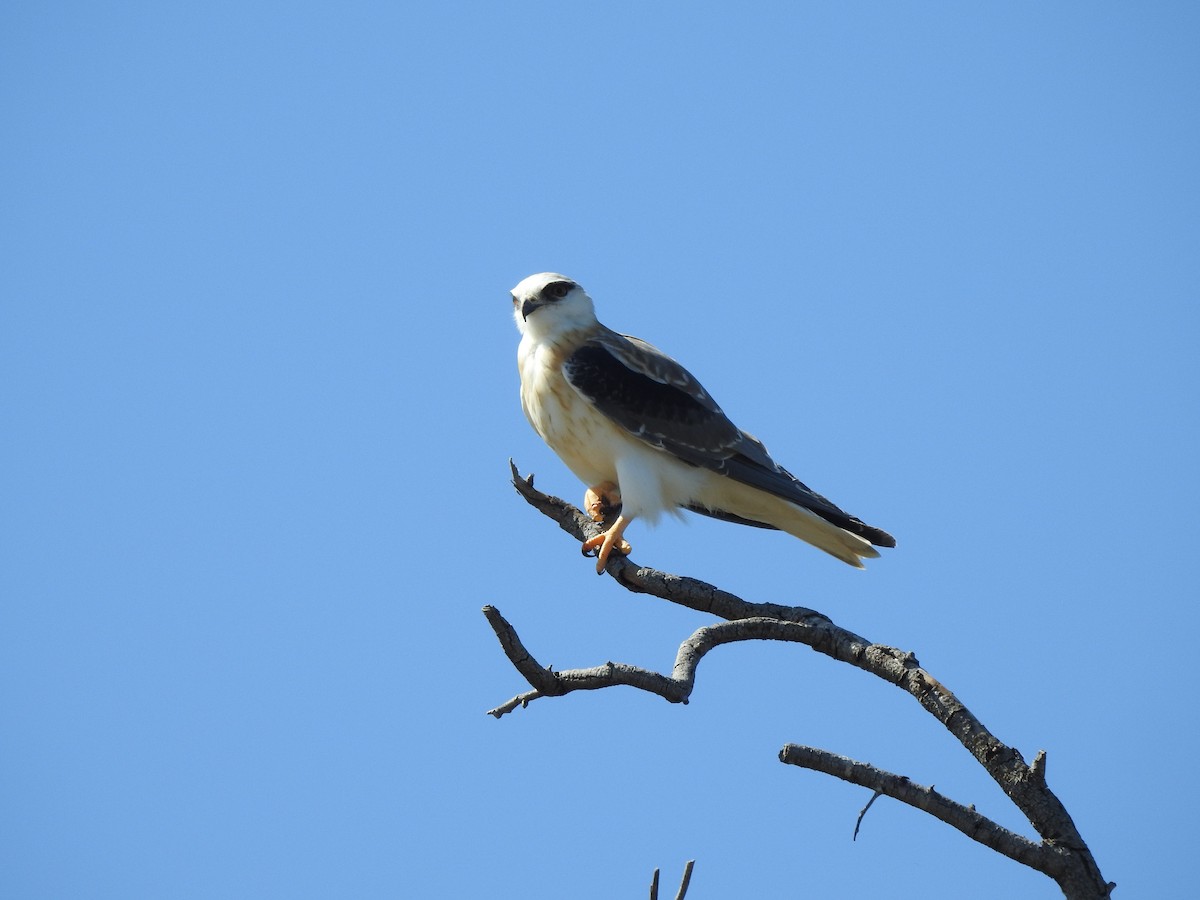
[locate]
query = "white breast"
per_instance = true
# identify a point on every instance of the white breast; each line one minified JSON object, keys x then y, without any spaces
{"x":585,"y":439}
{"x":592,"y":446}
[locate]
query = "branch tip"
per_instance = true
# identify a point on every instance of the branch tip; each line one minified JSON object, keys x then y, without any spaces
{"x":863,"y":812}
{"x":1037,"y":768}
{"x":687,"y":879}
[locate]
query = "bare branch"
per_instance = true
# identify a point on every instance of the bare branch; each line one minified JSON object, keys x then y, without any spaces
{"x":1062,"y":854}
{"x":690,"y":592}
{"x":676,"y":688}
{"x":548,"y":683}
{"x":683,"y":885}
{"x":926,"y":799}
{"x":687,"y":879}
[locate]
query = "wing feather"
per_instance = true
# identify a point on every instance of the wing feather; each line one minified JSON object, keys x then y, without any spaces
{"x":657,"y":400}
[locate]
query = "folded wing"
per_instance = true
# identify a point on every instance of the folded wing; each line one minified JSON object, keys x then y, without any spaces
{"x":658,"y":401}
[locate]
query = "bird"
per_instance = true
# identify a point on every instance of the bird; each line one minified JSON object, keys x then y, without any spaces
{"x":646,"y":438}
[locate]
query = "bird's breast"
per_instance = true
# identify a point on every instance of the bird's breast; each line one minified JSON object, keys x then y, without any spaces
{"x":586,"y":440}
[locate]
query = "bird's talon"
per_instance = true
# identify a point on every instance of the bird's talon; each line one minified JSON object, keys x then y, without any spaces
{"x":604,"y":544}
{"x":592,"y":546}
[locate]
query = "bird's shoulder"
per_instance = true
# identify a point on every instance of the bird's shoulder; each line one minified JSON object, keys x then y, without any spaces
{"x":613,"y":355}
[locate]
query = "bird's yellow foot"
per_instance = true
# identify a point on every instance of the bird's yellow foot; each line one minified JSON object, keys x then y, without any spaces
{"x":602,"y":500}
{"x":604,"y":544}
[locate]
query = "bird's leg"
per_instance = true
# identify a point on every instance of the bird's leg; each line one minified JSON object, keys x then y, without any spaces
{"x":608,"y":542}
{"x":602,"y":500}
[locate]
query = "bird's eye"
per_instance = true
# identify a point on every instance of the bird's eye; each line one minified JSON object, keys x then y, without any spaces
{"x":556,"y":290}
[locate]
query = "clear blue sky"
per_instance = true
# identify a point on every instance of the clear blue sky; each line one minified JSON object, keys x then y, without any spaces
{"x":259,"y":391}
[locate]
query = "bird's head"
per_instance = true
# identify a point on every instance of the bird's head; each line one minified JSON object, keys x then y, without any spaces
{"x":549,"y":304}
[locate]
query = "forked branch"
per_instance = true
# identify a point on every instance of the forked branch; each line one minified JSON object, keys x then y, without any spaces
{"x":683,"y":884}
{"x":1061,"y":854}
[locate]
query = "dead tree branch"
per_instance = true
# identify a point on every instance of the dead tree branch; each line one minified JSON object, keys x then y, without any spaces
{"x":676,"y":688}
{"x":686,"y":880}
{"x":683,"y":885}
{"x":1062,"y":853}
{"x":964,"y":818}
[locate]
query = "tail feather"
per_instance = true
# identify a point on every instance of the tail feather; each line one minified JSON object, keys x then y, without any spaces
{"x":753,"y":507}
{"x":811,"y":528}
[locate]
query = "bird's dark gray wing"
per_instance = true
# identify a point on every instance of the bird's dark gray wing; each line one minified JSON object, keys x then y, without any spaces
{"x":656,"y":399}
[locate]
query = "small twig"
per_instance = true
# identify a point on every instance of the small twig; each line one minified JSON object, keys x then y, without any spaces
{"x":863,"y":812}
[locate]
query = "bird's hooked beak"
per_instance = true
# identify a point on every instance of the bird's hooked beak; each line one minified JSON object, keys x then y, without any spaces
{"x":529,"y":306}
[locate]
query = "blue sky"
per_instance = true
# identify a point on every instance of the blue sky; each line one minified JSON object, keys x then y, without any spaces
{"x":259,"y":393}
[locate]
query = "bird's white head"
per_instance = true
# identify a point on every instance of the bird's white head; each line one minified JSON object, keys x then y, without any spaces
{"x":548,"y":305}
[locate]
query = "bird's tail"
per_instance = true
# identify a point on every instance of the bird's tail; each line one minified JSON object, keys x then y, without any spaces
{"x":811,"y":528}
{"x":753,"y":507}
